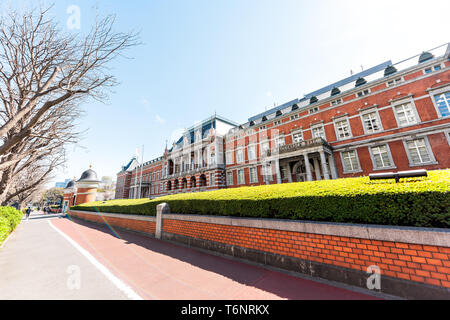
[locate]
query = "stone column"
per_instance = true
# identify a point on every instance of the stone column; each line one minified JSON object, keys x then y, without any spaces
{"x":161,"y":209}
{"x":326,"y":174}
{"x":289,"y":172}
{"x":334,"y":174}
{"x":308,"y":168}
{"x":181,"y":163}
{"x":317,"y":169}
{"x":277,"y":170}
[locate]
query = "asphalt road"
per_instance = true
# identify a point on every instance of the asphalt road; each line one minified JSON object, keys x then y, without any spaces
{"x":55,"y":258}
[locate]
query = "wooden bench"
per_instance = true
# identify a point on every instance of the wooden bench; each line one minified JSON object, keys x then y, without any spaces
{"x":398,"y":175}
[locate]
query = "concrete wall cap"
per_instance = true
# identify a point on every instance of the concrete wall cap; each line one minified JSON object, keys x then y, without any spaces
{"x":117,"y":215}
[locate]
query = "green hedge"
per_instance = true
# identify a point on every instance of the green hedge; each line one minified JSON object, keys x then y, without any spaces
{"x":421,"y":202}
{"x":9,"y":219}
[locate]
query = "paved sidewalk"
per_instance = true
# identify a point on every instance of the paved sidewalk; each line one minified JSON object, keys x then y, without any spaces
{"x":35,"y":261}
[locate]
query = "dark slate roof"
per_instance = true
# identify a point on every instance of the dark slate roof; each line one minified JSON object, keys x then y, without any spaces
{"x":89,"y":175}
{"x":125,"y":168}
{"x":274,"y":110}
{"x":70,"y":184}
{"x":348,"y":80}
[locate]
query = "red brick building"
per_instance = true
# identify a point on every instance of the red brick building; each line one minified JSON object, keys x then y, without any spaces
{"x":392,"y":117}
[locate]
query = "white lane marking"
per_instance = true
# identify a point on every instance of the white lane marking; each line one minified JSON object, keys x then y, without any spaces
{"x":130,"y":293}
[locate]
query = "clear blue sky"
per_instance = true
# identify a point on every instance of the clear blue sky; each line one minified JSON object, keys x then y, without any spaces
{"x":236,"y":57}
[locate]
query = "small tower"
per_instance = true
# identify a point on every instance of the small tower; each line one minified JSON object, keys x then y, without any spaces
{"x":69,"y":195}
{"x":87,"y":187}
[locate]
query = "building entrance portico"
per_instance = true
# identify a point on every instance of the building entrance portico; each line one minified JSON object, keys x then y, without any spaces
{"x":303,"y":161}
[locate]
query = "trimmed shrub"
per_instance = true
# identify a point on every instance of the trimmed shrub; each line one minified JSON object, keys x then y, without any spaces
{"x":421,"y":202}
{"x":9,"y":219}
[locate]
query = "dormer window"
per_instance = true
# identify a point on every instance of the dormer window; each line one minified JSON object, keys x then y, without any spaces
{"x":279,"y":113}
{"x":313,"y":100}
{"x":360,"y":82}
{"x":294,"y":107}
{"x":264,"y":119}
{"x":425,"y":56}
{"x":335,"y":91}
{"x":389,"y":70}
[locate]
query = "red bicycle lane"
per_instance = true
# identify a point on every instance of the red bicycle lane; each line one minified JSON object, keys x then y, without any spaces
{"x":160,"y":270}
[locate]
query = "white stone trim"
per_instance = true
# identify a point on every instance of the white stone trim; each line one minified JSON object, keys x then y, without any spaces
{"x":117,"y":215}
{"x":432,"y":93}
{"x":372,"y":157}
{"x":405,"y":100}
{"x":428,"y":146}
{"x":364,"y":112}
{"x":359,"y":169}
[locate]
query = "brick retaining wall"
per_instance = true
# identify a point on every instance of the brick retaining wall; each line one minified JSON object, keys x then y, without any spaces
{"x":414,"y":262}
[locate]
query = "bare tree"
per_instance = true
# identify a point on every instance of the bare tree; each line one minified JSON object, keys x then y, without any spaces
{"x":45,"y":74}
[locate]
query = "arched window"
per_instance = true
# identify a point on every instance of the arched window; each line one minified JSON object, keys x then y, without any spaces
{"x":193,"y":182}
{"x":202,"y":180}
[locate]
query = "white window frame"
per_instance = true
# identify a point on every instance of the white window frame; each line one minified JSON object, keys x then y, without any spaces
{"x":336,"y":102}
{"x":343,"y":163}
{"x":388,"y":150}
{"x":267,"y":172}
{"x":239,"y":181}
{"x":230,"y":178}
{"x":363,"y":93}
{"x":317,"y":126}
{"x":294,"y":133}
{"x":414,"y":110}
{"x":212,"y":179}
{"x":395,"y":81}
{"x":432,"y":94}
{"x":313,"y":110}
{"x":229,"y":157}
{"x":240,"y":151}
{"x":378,"y":118}
{"x":429,"y":150}
{"x":342,"y":119}
{"x":255,"y":170}
{"x":277,"y":140}
{"x":253,"y":146}
{"x":263,"y":151}
{"x":432,"y":66}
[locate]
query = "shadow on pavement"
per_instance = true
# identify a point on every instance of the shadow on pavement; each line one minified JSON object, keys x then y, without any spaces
{"x":280,"y":284}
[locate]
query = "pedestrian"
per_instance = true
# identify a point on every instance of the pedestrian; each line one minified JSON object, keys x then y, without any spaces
{"x":28,"y":212}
